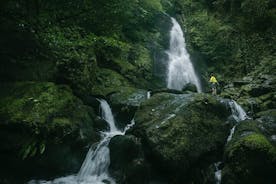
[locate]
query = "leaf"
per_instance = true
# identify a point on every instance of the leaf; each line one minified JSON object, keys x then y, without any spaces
{"x":26,"y":152}
{"x":42,"y":148}
{"x":33,"y":152}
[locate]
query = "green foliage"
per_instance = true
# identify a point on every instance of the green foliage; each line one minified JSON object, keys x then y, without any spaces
{"x":31,"y":148}
{"x":236,"y":34}
{"x":204,"y":29}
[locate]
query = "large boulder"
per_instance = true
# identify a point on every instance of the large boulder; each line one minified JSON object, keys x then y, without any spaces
{"x":182,"y":133}
{"x":127,"y":160}
{"x":44,"y":130}
{"x":108,"y":81}
{"x":250,"y":157}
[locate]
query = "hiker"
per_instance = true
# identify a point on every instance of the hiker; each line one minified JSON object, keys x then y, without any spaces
{"x":214,"y":84}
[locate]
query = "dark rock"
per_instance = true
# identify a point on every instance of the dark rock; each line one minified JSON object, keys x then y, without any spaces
{"x":240,"y":83}
{"x":127,"y":160}
{"x":125,"y":102}
{"x":190,"y":87}
{"x":166,"y":90}
{"x":179,"y":136}
{"x":91,"y":101}
{"x":100,"y":124}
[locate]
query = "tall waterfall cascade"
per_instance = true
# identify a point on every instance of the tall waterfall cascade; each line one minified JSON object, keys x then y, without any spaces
{"x":180,"y":68}
{"x":94,"y":169}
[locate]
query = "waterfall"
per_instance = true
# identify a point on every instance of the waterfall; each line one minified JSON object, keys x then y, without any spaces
{"x":238,"y":114}
{"x":148,"y":94}
{"x":237,"y":111}
{"x":95,"y":166}
{"x":217,"y":173}
{"x":180,"y":68}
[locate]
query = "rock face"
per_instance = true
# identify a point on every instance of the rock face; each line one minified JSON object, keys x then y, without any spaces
{"x":250,"y":157}
{"x":43,"y":130}
{"x":182,"y":134}
{"x":127,"y":160}
{"x":255,"y":92}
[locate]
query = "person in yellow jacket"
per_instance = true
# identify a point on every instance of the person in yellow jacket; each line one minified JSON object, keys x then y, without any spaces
{"x":213,"y":81}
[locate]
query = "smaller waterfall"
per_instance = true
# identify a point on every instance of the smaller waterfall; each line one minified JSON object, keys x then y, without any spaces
{"x":180,"y":68}
{"x":148,"y":94}
{"x":217,"y":173}
{"x":237,"y":111}
{"x":238,"y":114}
{"x":95,"y":166}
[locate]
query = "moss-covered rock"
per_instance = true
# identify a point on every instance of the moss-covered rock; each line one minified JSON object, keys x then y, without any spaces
{"x":127,"y":160}
{"x":44,"y":129}
{"x":182,"y":134}
{"x":108,"y":81}
{"x":255,"y":92}
{"x":250,"y":157}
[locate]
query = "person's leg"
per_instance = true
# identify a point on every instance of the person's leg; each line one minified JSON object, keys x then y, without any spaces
{"x":213,"y":88}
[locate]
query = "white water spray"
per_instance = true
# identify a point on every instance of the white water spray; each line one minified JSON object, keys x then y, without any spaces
{"x":180,"y":68}
{"x":148,"y":94}
{"x":237,"y":111}
{"x":94,"y":169}
{"x":239,"y":115}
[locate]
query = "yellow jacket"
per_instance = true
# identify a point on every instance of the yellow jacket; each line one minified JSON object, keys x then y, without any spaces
{"x":213,"y":80}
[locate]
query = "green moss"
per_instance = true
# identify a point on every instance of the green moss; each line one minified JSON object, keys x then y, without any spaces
{"x":178,"y":132}
{"x":250,"y":143}
{"x":108,"y":81}
{"x":250,"y":157}
{"x":34,"y":102}
{"x":42,"y":109}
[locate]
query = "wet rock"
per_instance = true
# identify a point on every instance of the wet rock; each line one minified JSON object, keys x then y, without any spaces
{"x":179,"y":137}
{"x":125,"y":102}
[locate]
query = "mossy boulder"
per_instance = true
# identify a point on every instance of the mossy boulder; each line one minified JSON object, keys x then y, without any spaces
{"x":127,"y":160}
{"x":250,"y":157}
{"x":44,"y":130}
{"x":108,"y":81}
{"x":182,"y":133}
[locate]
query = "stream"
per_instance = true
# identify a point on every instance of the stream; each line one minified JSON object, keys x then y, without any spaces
{"x":94,"y":169}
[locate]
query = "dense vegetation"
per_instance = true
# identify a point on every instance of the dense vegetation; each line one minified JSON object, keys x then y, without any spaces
{"x":237,"y":34}
{"x":57,"y":56}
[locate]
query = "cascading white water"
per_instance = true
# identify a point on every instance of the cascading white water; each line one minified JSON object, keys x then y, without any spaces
{"x":94,"y":169}
{"x":180,"y":67}
{"x":237,"y":111}
{"x":148,"y":94}
{"x":217,"y":173}
{"x":238,"y":114}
